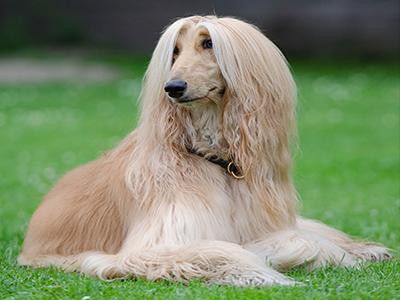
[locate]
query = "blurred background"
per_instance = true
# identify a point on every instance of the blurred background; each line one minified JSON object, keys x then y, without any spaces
{"x":303,"y":28}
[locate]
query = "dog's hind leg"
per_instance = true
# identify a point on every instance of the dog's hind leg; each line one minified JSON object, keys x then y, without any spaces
{"x":314,"y":244}
{"x":214,"y":261}
{"x":87,"y":210}
{"x":362,"y":250}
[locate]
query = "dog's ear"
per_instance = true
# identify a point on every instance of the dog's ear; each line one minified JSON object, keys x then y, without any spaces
{"x":258,"y":116}
{"x":160,"y":120}
{"x":259,"y":100}
{"x":258,"y":120}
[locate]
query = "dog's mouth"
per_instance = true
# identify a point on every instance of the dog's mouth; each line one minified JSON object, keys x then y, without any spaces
{"x":187,"y":99}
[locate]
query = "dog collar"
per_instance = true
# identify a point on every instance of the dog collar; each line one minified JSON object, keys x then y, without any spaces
{"x":228,"y":165}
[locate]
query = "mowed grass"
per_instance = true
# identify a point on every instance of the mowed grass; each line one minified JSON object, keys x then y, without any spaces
{"x":346,"y":171}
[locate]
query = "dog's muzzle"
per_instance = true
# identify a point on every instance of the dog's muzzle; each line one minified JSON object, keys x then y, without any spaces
{"x":175,"y":88}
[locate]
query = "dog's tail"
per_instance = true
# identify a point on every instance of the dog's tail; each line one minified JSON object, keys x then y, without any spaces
{"x":68,"y":263}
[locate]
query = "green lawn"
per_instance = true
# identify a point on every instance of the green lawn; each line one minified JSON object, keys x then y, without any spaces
{"x":347,"y":173}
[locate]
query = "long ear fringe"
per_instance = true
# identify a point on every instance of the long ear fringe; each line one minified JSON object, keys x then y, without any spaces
{"x":259,"y":113}
{"x":161,"y":124}
{"x":160,"y":121}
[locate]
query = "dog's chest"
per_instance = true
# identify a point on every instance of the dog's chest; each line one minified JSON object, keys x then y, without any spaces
{"x":207,"y":134}
{"x":185,"y":215}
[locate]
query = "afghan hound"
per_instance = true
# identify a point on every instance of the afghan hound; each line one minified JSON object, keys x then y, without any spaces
{"x":202,"y":187}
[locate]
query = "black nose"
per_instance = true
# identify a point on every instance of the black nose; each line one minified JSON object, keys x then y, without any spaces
{"x":175,"y":88}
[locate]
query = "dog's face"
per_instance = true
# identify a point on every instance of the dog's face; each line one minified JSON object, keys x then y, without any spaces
{"x":195,"y":76}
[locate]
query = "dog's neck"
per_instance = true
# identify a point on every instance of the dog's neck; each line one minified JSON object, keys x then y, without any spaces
{"x":207,"y":136}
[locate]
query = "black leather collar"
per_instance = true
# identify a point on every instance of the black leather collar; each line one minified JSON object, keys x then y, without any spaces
{"x":227,"y":165}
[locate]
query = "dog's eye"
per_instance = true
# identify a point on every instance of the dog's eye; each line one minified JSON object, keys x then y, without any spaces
{"x":175,"y":54}
{"x":207,"y":44}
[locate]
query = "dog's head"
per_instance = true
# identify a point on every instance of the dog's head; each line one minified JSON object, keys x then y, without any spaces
{"x":195,"y":75}
{"x":231,"y":65}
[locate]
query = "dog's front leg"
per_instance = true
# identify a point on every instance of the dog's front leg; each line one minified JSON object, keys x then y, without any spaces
{"x":184,"y":240}
{"x":214,"y":261}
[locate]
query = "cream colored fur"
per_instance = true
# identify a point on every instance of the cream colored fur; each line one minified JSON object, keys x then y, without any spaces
{"x":151,"y":209}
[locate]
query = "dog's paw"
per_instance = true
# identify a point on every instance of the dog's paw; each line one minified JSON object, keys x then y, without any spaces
{"x":254,"y":279}
{"x":103,"y":266}
{"x":371,"y":252}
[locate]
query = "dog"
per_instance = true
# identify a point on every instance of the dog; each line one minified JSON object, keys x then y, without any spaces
{"x":202,"y":187}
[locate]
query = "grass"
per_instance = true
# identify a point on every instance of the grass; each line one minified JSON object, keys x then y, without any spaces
{"x":347,"y":173}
